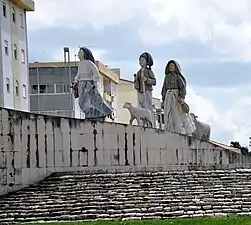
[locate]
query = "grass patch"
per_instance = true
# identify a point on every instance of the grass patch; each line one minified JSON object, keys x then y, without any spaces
{"x":199,"y":221}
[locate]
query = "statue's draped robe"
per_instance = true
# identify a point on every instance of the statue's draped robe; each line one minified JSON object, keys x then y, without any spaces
{"x":90,"y":100}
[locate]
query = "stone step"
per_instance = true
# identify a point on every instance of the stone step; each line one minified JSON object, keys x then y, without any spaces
{"x":139,"y":195}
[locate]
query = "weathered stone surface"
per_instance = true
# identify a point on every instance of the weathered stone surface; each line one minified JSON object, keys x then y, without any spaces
{"x":126,"y":196}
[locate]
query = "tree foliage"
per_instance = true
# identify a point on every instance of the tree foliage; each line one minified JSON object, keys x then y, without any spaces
{"x":236,"y":144}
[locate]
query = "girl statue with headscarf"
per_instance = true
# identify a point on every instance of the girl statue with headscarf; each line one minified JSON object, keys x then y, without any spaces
{"x":177,"y":118}
{"x":90,"y":101}
{"x":144,"y":81}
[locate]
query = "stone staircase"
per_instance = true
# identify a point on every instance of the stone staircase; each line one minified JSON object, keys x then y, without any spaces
{"x":122,"y":196}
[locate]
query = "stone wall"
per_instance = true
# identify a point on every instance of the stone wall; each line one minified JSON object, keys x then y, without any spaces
{"x":129,"y":196}
{"x":33,"y":146}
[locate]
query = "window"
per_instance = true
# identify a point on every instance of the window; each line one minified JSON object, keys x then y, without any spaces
{"x":50,"y":88}
{"x":22,"y":56}
{"x":59,"y":88}
{"x":67,"y":88}
{"x":24,"y":91}
{"x":17,"y":88}
{"x":22,"y":20}
{"x":8,"y":85}
{"x":107,"y":86}
{"x":34,"y":89}
{"x":4,"y":10}
{"x":62,"y":88}
{"x":6,"y":49}
{"x":15,"y":51}
{"x":13,"y":15}
{"x":43,"y":89}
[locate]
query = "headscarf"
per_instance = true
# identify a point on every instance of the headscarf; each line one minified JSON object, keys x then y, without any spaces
{"x":88,"y":54}
{"x":178,"y":70}
{"x":148,"y":58}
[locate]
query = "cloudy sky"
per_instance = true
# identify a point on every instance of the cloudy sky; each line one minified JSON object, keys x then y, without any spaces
{"x":210,"y":38}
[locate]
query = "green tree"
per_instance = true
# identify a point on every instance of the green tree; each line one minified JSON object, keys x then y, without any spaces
{"x":236,"y":144}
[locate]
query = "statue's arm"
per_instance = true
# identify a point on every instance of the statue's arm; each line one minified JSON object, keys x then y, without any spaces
{"x":76,"y":78}
{"x":136,"y":76}
{"x":151,"y":80}
{"x":182,"y":88}
{"x":136,"y":81}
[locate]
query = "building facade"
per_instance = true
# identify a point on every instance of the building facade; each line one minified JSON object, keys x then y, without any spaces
{"x":14,"y":81}
{"x":51,"y":92}
{"x":126,"y":93}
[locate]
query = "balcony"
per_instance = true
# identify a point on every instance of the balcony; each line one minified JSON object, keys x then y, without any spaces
{"x":28,"y":5}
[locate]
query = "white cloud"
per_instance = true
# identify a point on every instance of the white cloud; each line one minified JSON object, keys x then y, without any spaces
{"x":237,"y":120}
{"x":225,"y":25}
{"x":82,"y":13}
{"x":198,"y":105}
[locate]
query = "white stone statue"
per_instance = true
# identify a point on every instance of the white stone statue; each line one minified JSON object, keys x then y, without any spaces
{"x":90,"y":100}
{"x":139,"y":114}
{"x":144,"y":81}
{"x":177,"y":118}
{"x":203,"y":130}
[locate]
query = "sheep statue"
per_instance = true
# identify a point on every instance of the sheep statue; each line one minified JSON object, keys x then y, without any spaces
{"x":203,"y":130}
{"x":139,"y":114}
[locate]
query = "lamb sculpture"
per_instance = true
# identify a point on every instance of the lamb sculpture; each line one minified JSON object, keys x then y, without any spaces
{"x":203,"y":130}
{"x":139,"y":114}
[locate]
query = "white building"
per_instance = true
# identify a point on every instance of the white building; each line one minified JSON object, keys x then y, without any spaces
{"x":14,"y":80}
